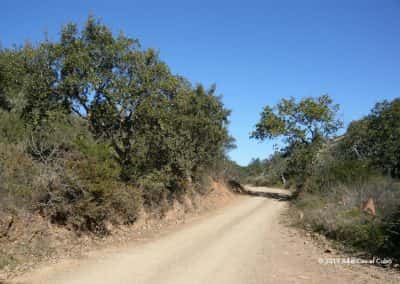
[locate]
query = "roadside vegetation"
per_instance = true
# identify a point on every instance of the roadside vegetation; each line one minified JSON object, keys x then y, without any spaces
{"x":93,"y":129}
{"x":346,"y":187}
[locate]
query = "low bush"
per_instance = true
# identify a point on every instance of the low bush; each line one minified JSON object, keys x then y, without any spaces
{"x":338,"y":214}
{"x":155,"y":189}
{"x":264,"y":180}
{"x":7,"y":260}
{"x":20,"y":178}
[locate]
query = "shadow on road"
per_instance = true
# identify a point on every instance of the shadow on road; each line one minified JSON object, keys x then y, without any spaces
{"x":272,"y":195}
{"x":281,"y":196}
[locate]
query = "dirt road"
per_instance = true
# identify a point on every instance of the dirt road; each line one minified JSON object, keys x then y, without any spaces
{"x":244,"y":242}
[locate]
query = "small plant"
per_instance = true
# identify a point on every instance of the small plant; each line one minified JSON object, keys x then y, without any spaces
{"x":337,"y":213}
{"x":7,"y":260}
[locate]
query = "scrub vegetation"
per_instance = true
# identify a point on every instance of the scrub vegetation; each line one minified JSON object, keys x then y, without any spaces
{"x":93,"y":129}
{"x":346,"y":187}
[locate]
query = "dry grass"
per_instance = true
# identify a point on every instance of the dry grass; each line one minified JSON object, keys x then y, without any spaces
{"x":338,"y":213}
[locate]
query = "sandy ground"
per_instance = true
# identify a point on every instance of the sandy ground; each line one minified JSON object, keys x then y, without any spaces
{"x":244,"y":242}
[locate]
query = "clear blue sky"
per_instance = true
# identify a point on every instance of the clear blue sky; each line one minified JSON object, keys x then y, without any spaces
{"x":255,"y":51}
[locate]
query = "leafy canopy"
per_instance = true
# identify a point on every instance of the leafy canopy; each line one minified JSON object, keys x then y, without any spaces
{"x":153,"y":120}
{"x":304,"y":126}
{"x":375,"y":138}
{"x":299,"y":122}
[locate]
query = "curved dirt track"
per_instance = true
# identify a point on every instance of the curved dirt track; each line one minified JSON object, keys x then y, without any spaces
{"x":244,"y":242}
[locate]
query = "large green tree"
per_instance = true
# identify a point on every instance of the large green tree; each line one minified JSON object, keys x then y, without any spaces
{"x":107,"y":79}
{"x":304,"y":121}
{"x":304,"y":126}
{"x":152,"y":119}
{"x":376,"y":138}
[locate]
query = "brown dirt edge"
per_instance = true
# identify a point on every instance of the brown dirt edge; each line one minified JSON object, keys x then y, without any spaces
{"x":60,"y":244}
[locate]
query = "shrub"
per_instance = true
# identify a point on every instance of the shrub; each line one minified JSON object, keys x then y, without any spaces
{"x":337,"y":213}
{"x":87,"y":193}
{"x":392,"y":233}
{"x":202,"y":182}
{"x":20,"y":178}
{"x":154,"y":187}
{"x":12,"y":128}
{"x":329,"y":169}
{"x":7,"y":260}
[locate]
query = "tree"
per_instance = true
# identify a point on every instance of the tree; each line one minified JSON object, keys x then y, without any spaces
{"x":186,"y":132}
{"x":97,"y":76}
{"x":41,"y":84}
{"x":304,"y":126}
{"x":256,"y":167}
{"x":153,"y":120}
{"x":303,"y":122}
{"x":11,"y":77}
{"x":92,"y":127}
{"x":276,"y":166}
{"x":375,"y":139}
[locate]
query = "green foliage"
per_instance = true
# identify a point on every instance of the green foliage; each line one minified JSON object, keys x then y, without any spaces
{"x":369,"y":148}
{"x":19,"y":175}
{"x":87,"y":194}
{"x":375,"y":138}
{"x":4,"y":104}
{"x":76,"y":185}
{"x":92,"y":127}
{"x":7,"y":260}
{"x":337,"y":214}
{"x":329,"y":173}
{"x":227,"y":170}
{"x":12,"y":129}
{"x":40,"y":84}
{"x":303,"y":121}
{"x":268,"y":172}
{"x":392,"y":234}
{"x":256,"y":167}
{"x":151,"y":118}
{"x":181,"y":135}
{"x":347,"y":171}
{"x":154,"y":186}
{"x":364,"y":235}
{"x":337,"y":175}
{"x":305,"y":126}
{"x":12,"y":73}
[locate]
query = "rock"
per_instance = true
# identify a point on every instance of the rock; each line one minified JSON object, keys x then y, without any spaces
{"x":301,"y":215}
{"x":369,"y":207}
{"x":108,"y":226}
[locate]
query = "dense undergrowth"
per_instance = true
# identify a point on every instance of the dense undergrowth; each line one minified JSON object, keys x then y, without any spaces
{"x":335,"y":177}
